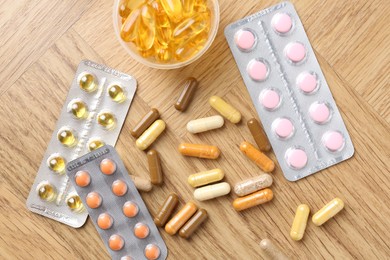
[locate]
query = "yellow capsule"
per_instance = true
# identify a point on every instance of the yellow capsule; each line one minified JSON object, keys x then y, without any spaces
{"x":185,"y":52}
{"x":226,"y":110}
{"x":189,"y":27}
{"x":146,"y":28}
{"x":107,"y":120}
{"x":78,"y":108}
{"x":134,"y":4}
{"x":212,"y":191}
{"x":129,"y":29}
{"x":151,"y":134}
{"x":163,"y":25}
{"x":163,"y":54}
{"x":205,"y":177}
{"x":46,"y":191}
{"x":300,"y":221}
{"x":173,"y":8}
{"x":188,"y":7}
{"x":66,"y":136}
{"x":74,"y":202}
{"x":56,"y":163}
{"x":200,"y":6}
{"x":94,"y":144}
{"x":328,"y":211}
{"x":123,"y":9}
{"x":87,"y":82}
{"x":117,"y":93}
{"x":148,"y":53}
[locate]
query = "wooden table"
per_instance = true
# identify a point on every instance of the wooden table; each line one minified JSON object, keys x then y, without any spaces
{"x":41,"y":43}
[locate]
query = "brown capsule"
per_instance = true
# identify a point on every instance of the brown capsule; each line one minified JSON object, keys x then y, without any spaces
{"x":253,"y":199}
{"x":146,"y":121}
{"x":192,"y":225}
{"x":141,"y":183}
{"x":180,"y":218}
{"x":199,"y":150}
{"x":187,"y":94}
{"x":166,"y":210}
{"x":261,"y":160}
{"x":259,"y":135}
{"x":156,"y":174}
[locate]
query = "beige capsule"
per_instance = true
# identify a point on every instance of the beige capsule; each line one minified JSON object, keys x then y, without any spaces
{"x":272,"y":250}
{"x":151,"y":134}
{"x":141,"y":183}
{"x":205,"y":177}
{"x":205,"y":124}
{"x":251,"y":185}
{"x":212,"y":191}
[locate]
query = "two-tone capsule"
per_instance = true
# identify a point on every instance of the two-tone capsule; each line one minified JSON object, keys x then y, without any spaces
{"x":156,"y":174}
{"x":328,"y":211}
{"x":166,"y":210}
{"x":205,"y":124}
{"x":187,"y":94}
{"x":272,"y":250}
{"x":151,"y":134}
{"x":192,"y":225}
{"x":251,"y":185}
{"x":180,"y":218}
{"x":253,"y":199}
{"x":300,"y":221}
{"x":199,"y":150}
{"x":261,"y":160}
{"x":212,"y":191}
{"x":225,"y":109}
{"x":145,"y":122}
{"x":259,"y":135}
{"x":205,"y":177}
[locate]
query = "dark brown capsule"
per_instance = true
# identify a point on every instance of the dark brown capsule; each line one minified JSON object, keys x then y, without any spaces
{"x":166,"y":210}
{"x":259,"y":135}
{"x":156,"y":174}
{"x":146,"y":121}
{"x":189,"y":228}
{"x":187,"y":94}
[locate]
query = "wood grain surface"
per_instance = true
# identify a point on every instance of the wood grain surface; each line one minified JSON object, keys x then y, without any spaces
{"x":41,"y":43}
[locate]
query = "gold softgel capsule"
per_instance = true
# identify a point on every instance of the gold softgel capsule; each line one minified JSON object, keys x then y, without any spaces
{"x":107,"y":120}
{"x":56,"y":163}
{"x":46,"y":191}
{"x":87,"y":82}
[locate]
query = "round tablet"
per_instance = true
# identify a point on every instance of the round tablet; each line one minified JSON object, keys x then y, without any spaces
{"x":296,"y":158}
{"x":257,"y":70}
{"x":130,"y":209}
{"x":94,"y":200}
{"x":116,"y":242}
{"x":119,"y":188}
{"x":333,"y":141}
{"x":141,"y":230}
{"x":244,"y":39}
{"x":270,"y":99}
{"x":281,"y":22}
{"x":283,"y":127}
{"x":82,"y":178}
{"x":107,"y":166}
{"x":105,"y":221}
{"x":307,"y":82}
{"x":295,"y":51}
{"x":152,"y":251}
{"x":319,"y":112}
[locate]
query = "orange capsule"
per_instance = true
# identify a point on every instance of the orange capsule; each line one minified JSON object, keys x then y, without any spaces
{"x":105,"y":221}
{"x":107,"y":166}
{"x":82,"y":178}
{"x":262,"y":160}
{"x":152,"y":252}
{"x":253,"y":199}
{"x":141,"y":230}
{"x":94,"y":200}
{"x":119,"y":188}
{"x":116,"y":242}
{"x":199,"y":150}
{"x":130,"y":209}
{"x":181,"y":218}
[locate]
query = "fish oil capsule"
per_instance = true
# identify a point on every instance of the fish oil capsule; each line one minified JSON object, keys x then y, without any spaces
{"x":117,"y":93}
{"x":189,"y":27}
{"x":188,"y":7}
{"x":106,"y":119}
{"x":150,"y":135}
{"x":94,"y":144}
{"x":123,"y":9}
{"x":253,"y":184}
{"x":212,"y":191}
{"x":205,"y":177}
{"x":166,"y":210}
{"x":56,"y":163}
{"x":261,"y":160}
{"x":116,"y":242}
{"x":192,"y":225}
{"x":226,"y":110}
{"x":78,"y":109}
{"x":173,"y":8}
{"x":259,"y":135}
{"x":187,"y":94}
{"x":199,"y":150}
{"x":145,"y":122}
{"x":328,"y":211}
{"x":163,"y":54}
{"x":156,"y":174}
{"x":200,"y":6}
{"x":129,"y":29}
{"x":87,"y":82}
{"x":46,"y":191}
{"x":253,"y":199}
{"x":272,"y":250}
{"x":146,"y":28}
{"x":185,"y":51}
{"x":141,"y":183}
{"x":180,"y":218}
{"x":74,"y":202}
{"x":205,"y":124}
{"x":300,"y":221}
{"x":66,"y":136}
{"x":164,"y":26}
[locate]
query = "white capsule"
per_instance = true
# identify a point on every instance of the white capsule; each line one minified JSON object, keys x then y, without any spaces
{"x":205,"y":124}
{"x":212,"y":191}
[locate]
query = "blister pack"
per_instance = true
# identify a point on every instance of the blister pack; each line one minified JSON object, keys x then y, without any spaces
{"x":115,"y":206}
{"x":93,"y":114}
{"x":289,"y":91}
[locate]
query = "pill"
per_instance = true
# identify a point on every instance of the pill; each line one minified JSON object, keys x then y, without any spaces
{"x":156,"y":174}
{"x":78,"y":109}
{"x":226,"y":110}
{"x":272,"y":250}
{"x":245,"y":40}
{"x":105,"y":221}
{"x":192,"y":225}
{"x":173,"y":8}
{"x":94,"y":144}
{"x":66,"y":136}
{"x":106,"y":119}
{"x":205,"y":177}
{"x":281,"y":22}
{"x":295,"y":52}
{"x":253,"y":184}
{"x":87,"y":82}
{"x":130,"y":209}
{"x":270,"y":99}
{"x":126,"y":257}
{"x":141,"y":230}
{"x":180,"y":218}
{"x":333,"y":141}
{"x":93,"y":200}
{"x":116,"y":93}
{"x":152,"y":252}
{"x":296,"y":158}
{"x":307,"y":82}
{"x":259,"y":135}
{"x":56,"y":163}
{"x":141,"y":184}
{"x":74,"y":202}
{"x":151,"y":134}
{"x":212,"y":191}
{"x":187,"y":94}
{"x":129,"y":29}
{"x":319,"y":112}
{"x":253,"y":199}
{"x":46,"y":191}
{"x":166,"y":210}
{"x":145,"y":122}
{"x":261,"y":160}
{"x":82,"y":178}
{"x":107,"y":166}
{"x":283,"y":127}
{"x":116,"y":242}
{"x":328,"y":211}
{"x":199,"y":150}
{"x":119,"y":188}
{"x":300,"y":221}
{"x":205,"y":124}
{"x":258,"y":69}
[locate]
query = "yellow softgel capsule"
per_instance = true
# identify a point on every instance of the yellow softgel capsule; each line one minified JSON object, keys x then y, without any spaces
{"x":150,"y":134}
{"x":163,"y":54}
{"x":106,"y":119}
{"x":226,"y":110}
{"x":129,"y":29}
{"x":46,"y":191}
{"x":87,"y":82}
{"x":328,"y":211}
{"x":146,"y":28}
{"x":200,"y":6}
{"x":117,"y":93}
{"x":189,"y":27}
{"x":74,"y":202}
{"x":123,"y":9}
{"x":56,"y":163}
{"x":94,"y":144}
{"x":205,"y":177}
{"x":188,"y":7}
{"x":66,"y":136}
{"x":163,"y":24}
{"x":173,"y":8}
{"x":78,"y":108}
{"x":300,"y":221}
